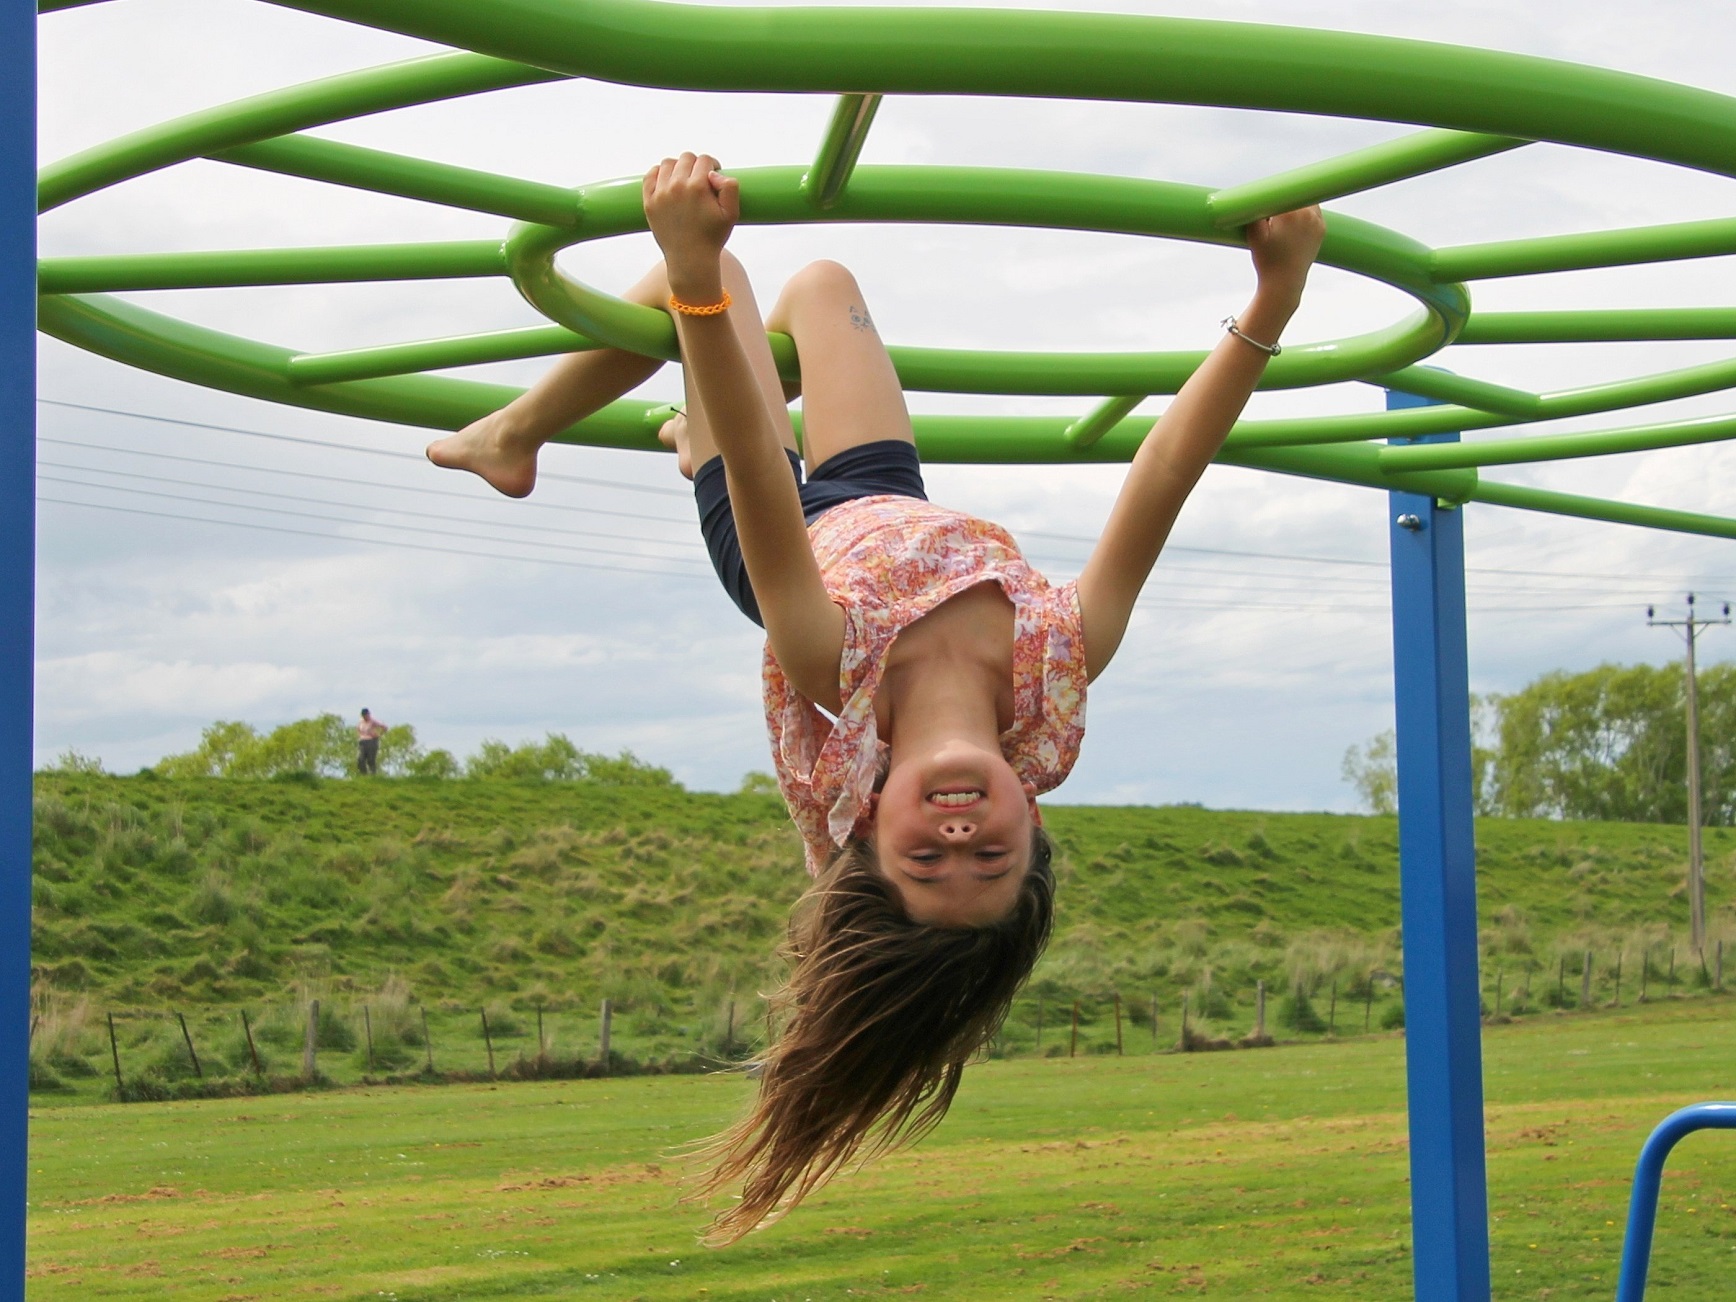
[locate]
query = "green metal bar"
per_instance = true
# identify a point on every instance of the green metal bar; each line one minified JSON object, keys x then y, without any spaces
{"x":1444,"y":386}
{"x":1595,"y":508}
{"x":135,"y":336}
{"x":937,"y":50}
{"x":90,"y":275}
{"x":1092,"y":426}
{"x":295,"y":108}
{"x":1666,"y":386}
{"x":1333,"y":178}
{"x":845,"y":135}
{"x":1616,"y":325}
{"x":1709,"y":239}
{"x":993,"y":196}
{"x":1558,"y":447}
{"x":55,"y":6}
{"x":435,"y":354}
{"x":411,"y":178}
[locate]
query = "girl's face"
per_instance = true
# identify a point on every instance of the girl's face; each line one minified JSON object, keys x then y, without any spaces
{"x":952,"y":829}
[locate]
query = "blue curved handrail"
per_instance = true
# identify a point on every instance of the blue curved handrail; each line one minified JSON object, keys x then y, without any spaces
{"x":1636,"y":1256}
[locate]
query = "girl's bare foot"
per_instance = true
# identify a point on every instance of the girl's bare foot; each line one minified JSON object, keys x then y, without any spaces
{"x":673,"y":434}
{"x":489,"y":449}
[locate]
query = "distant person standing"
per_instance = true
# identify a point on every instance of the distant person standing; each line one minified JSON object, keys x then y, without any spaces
{"x":368,"y":734}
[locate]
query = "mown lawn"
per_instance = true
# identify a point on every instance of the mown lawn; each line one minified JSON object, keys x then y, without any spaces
{"x":1278,"y":1173}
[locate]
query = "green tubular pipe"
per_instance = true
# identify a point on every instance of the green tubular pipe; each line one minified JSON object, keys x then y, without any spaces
{"x":1092,"y":426}
{"x":137,"y":337}
{"x":1712,"y":377}
{"x":1444,"y":386}
{"x":94,"y":275}
{"x":55,"y":6}
{"x":295,"y":108}
{"x":410,"y":178}
{"x":1558,"y":447}
{"x":150,"y":341}
{"x":1595,"y":508}
{"x":1333,"y":178}
{"x":846,"y":133}
{"x":935,"y":50}
{"x":1708,"y":239}
{"x":984,"y":196}
{"x":1616,"y":325}
{"x":435,"y":354}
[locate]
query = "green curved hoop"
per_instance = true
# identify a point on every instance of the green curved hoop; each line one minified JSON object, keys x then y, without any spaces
{"x":1471,"y":104}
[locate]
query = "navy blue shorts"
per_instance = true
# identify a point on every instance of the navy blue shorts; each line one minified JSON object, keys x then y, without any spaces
{"x":887,"y":468}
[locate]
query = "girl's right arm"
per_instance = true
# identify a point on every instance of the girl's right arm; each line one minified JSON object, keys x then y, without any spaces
{"x":692,"y":209}
{"x":1188,"y":435}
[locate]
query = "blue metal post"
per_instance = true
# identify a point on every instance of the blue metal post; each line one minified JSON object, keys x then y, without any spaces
{"x":17,"y":606}
{"x":1443,"y":1048}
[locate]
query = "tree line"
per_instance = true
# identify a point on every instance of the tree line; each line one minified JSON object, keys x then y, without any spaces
{"x":325,"y":746}
{"x":1608,"y":743}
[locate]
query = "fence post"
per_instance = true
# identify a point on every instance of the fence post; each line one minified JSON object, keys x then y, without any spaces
{"x":1118,"y":1023}
{"x":607,"y":1016}
{"x":1073,"y":1045}
{"x":729,"y":1032}
{"x":427,"y":1039}
{"x":1332,"y":1010}
{"x":1260,"y":1009}
{"x":310,"y":1044}
{"x":1154,"y":1021}
{"x":1719,"y":976}
{"x":1618,"y":959}
{"x":1183,"y":1040}
{"x":252,"y":1051}
{"x":1500,"y":981}
{"x":368,"y":1031}
{"x":1645,"y":972}
{"x":488,"y":1041}
{"x":115,"y":1052}
{"x":1368,"y":1005}
{"x":1672,"y":969}
{"x":542,"y":1045}
{"x":191,"y":1051}
{"x":1585,"y":982}
{"x":1040,"y":1025}
{"x":1561,"y":983}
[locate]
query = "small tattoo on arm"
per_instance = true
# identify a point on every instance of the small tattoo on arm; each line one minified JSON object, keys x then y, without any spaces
{"x":861,"y":320}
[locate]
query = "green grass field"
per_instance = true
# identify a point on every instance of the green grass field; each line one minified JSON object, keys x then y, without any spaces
{"x":1273,"y":1173}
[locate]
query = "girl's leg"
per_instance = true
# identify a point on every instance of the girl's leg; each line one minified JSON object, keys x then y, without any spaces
{"x":850,"y":393}
{"x":502,"y":447}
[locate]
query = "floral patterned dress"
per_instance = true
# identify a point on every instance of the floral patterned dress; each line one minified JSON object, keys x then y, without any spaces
{"x":887,"y":562}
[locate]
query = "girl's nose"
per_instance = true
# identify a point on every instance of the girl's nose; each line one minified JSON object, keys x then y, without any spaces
{"x":957,"y":829}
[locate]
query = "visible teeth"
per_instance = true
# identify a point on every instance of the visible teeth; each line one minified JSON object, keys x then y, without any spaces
{"x":955,"y":798}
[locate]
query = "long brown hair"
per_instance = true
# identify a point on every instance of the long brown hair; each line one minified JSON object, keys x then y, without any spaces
{"x":880,"y":1015}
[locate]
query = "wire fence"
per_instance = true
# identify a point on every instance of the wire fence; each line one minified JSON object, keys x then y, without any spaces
{"x":313,"y":1042}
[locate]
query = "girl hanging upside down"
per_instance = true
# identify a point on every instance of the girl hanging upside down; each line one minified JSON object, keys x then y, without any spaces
{"x":923,"y":684}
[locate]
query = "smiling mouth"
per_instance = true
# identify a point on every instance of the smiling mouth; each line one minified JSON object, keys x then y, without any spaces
{"x":955,"y":799}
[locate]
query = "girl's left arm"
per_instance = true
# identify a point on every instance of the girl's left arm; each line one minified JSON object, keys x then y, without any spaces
{"x":1188,"y":435}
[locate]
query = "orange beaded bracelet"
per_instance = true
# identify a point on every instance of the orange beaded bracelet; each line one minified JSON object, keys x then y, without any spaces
{"x":706,"y":309}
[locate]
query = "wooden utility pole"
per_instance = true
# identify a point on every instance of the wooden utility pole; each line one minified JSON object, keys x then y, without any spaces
{"x":1691,"y":628}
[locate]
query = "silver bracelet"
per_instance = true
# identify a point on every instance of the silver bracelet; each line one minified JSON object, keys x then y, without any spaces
{"x":1271,"y":350}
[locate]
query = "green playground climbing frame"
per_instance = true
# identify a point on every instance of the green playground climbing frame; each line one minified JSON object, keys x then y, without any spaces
{"x":1466,"y":104}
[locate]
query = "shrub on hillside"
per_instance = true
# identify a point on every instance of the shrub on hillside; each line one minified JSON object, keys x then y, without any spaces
{"x":1296,"y":1011}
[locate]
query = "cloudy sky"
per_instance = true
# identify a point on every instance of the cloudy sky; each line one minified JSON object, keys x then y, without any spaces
{"x":209,"y":557}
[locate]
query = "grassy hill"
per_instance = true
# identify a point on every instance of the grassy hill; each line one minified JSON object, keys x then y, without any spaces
{"x":156,"y":894}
